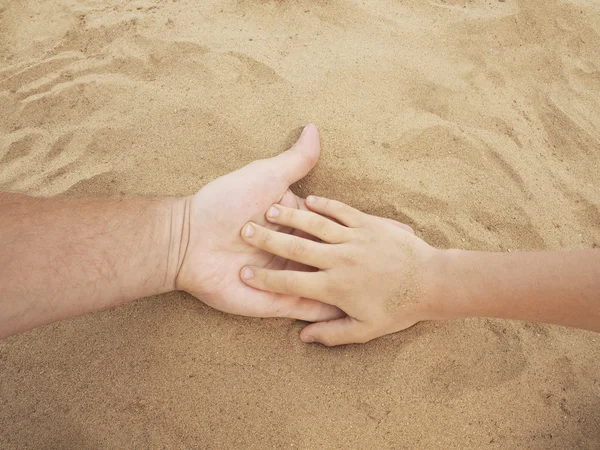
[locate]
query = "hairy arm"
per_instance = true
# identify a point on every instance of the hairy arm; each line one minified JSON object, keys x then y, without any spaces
{"x":64,"y":257}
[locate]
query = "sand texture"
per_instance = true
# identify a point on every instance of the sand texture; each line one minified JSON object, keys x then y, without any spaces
{"x":476,"y":122}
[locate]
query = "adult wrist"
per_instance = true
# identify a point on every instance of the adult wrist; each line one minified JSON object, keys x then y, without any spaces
{"x":178,"y":240}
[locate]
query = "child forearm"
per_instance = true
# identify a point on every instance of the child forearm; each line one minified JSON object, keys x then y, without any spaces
{"x":560,"y":287}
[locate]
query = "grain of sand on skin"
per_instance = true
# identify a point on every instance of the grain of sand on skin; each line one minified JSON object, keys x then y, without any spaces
{"x":477,"y":125}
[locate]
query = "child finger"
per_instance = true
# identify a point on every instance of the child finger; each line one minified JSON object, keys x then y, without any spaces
{"x":314,"y":224}
{"x":341,"y":212}
{"x":335,"y":332}
{"x":288,"y":246}
{"x":290,"y":282}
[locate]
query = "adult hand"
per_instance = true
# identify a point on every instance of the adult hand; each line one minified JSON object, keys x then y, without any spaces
{"x":213,"y":250}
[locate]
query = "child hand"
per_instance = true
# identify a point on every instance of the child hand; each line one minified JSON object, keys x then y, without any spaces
{"x":376,"y":270}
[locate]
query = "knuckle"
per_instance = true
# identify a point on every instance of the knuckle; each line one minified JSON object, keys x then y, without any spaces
{"x":290,"y":283}
{"x":327,"y":340}
{"x":333,"y":290}
{"x":319,"y":224}
{"x":349,"y":258}
{"x":264,"y":278}
{"x":288,"y":214}
{"x":265,"y":238}
{"x":298,"y":247}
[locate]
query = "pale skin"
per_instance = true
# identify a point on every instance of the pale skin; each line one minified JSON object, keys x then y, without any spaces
{"x":65,"y":257}
{"x":62,"y":258}
{"x":386,"y":279}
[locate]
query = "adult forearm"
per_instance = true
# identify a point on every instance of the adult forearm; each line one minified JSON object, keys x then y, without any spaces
{"x":65,"y":257}
{"x":561,"y":287}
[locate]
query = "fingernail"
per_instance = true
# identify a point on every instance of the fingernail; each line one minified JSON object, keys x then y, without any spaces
{"x":305,"y":130}
{"x":247,"y":273}
{"x":273,"y":212}
{"x":249,"y":231}
{"x":309,"y":339}
{"x":311,"y":199}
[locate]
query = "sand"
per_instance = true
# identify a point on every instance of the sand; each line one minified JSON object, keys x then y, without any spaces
{"x":476,"y":122}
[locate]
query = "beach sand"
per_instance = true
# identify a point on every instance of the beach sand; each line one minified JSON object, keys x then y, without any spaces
{"x":476,"y":122}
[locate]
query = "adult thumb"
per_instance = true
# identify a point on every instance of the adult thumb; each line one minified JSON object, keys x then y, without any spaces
{"x":295,"y":163}
{"x":334,"y":332}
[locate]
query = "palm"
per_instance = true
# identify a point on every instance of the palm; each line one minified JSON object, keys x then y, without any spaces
{"x":216,"y":252}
